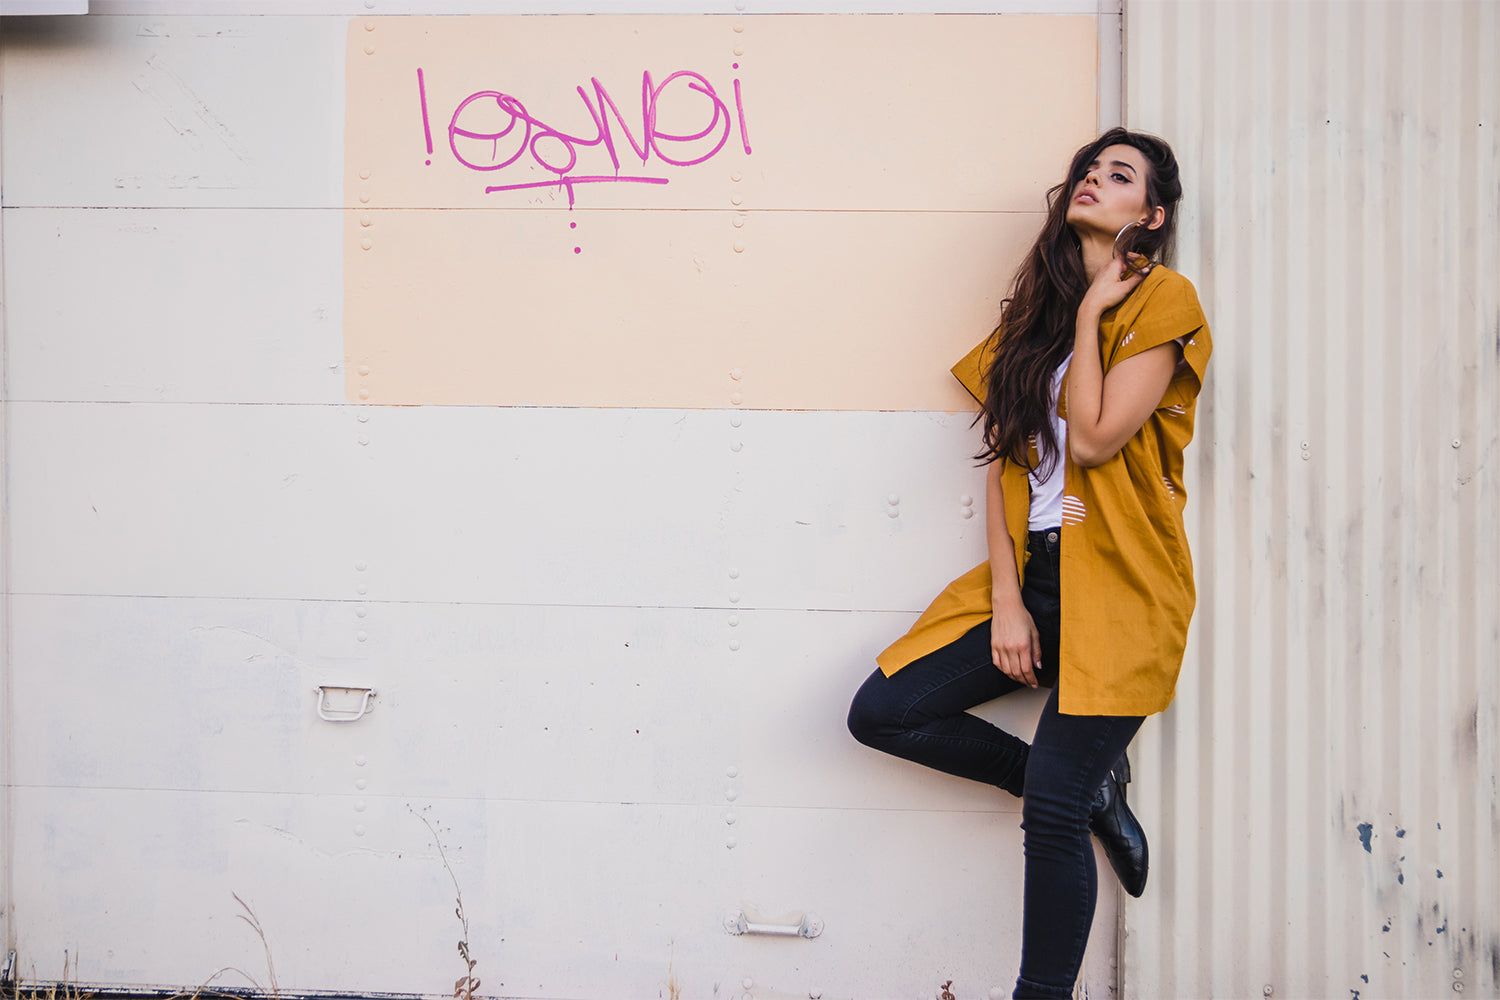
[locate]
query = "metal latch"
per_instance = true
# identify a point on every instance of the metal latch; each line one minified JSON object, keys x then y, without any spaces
{"x":810,"y":926}
{"x":343,"y":715}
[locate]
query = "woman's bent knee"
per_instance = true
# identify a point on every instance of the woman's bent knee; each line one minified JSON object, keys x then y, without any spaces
{"x":869,"y":720}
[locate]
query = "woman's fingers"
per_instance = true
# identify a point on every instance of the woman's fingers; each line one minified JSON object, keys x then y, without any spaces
{"x":1015,"y":647}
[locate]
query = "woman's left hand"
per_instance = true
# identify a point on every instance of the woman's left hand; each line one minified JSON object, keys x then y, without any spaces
{"x":1113,"y":283}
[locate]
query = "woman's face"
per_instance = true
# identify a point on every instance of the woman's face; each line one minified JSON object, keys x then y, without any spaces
{"x":1112,"y":194}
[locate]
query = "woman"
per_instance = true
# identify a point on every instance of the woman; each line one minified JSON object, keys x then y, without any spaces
{"x":1088,"y":389}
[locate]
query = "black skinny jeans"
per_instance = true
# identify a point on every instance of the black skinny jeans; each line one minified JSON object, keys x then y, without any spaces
{"x":920,"y":714}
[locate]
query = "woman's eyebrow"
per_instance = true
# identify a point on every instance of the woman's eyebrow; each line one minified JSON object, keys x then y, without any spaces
{"x":1122,"y":163}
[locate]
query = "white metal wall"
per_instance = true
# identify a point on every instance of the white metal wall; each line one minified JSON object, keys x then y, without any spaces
{"x":613,"y":655}
{"x":1324,"y":790}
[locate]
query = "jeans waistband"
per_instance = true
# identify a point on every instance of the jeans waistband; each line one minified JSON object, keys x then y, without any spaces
{"x":1046,"y":540}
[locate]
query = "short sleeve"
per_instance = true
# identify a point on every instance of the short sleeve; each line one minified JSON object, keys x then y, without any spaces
{"x":1165,"y":308}
{"x":972,"y":368}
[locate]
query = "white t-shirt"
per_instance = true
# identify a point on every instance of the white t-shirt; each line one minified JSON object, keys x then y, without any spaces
{"x":1047,"y":494}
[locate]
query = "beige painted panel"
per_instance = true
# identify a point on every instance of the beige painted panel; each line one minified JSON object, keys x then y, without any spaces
{"x":821,"y":310}
{"x":895,"y":179}
{"x":897,"y":112}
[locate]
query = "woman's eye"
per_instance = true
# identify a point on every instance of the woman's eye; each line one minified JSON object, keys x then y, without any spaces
{"x":1120,"y":177}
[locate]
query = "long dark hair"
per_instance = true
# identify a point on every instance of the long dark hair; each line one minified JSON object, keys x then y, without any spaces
{"x":1037,"y":319}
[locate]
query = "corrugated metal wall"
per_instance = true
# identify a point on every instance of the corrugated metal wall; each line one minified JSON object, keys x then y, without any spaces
{"x":1323,"y":794}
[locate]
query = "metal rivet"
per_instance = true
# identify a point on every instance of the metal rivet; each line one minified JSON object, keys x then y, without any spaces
{"x":736,"y":374}
{"x":893,"y":512}
{"x":740,"y":5}
{"x":734,"y":621}
{"x":731,"y":843}
{"x":730,"y":818}
{"x":1267,"y":991}
{"x":1458,"y":973}
{"x":364,"y":175}
{"x":1458,"y":987}
{"x":735,"y":420}
{"x":739,"y":26}
{"x":732,"y":771}
{"x":364,"y":369}
{"x":1456,"y":442}
{"x":361,"y":784}
{"x":366,"y":243}
{"x":364,"y":394}
{"x":748,"y":983}
{"x":359,"y":830}
{"x":739,"y":50}
{"x":361,"y":635}
{"x":363,"y":418}
{"x":736,"y":176}
{"x":735,"y":398}
{"x":893,"y":499}
{"x":739,"y":247}
{"x":966,"y":512}
{"x":369,"y":25}
{"x":364,"y":199}
{"x":366,"y":221}
{"x":734,"y":573}
{"x":360,"y":761}
{"x":360,"y":806}
{"x":369,"y":50}
{"x":735,"y":199}
{"x":734,"y":597}
{"x":360,"y":612}
{"x":362,"y":589}
{"x":966,"y":501}
{"x":364,"y":439}
{"x":731,"y":794}
{"x":734,"y":645}
{"x":369,"y":4}
{"x":739,"y":222}
{"x":736,"y":447}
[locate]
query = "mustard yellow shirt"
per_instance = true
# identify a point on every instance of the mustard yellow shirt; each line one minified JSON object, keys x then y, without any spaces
{"x":1126,"y":572}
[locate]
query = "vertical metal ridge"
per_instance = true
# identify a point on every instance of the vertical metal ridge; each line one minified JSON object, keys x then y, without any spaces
{"x":1334,"y":744}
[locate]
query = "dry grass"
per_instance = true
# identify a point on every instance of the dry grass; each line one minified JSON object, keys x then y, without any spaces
{"x":466,"y":987}
{"x":68,"y":989}
{"x":65,"y":990}
{"x":674,"y":985}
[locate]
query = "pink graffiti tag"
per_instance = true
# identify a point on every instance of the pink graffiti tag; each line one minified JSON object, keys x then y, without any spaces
{"x":513,"y":133}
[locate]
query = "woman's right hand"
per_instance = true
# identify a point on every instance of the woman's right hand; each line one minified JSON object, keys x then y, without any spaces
{"x":1015,"y":646}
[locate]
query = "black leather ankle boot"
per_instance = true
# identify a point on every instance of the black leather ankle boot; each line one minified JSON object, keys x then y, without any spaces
{"x":1120,"y":834}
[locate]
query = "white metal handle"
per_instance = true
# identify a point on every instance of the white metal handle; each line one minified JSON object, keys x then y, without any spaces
{"x":343,"y":715}
{"x":810,"y":926}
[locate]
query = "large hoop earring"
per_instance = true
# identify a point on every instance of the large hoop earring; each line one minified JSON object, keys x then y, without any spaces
{"x":1115,"y":250}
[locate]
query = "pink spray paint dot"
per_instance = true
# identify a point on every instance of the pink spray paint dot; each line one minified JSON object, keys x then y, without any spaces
{"x":429,"y":163}
{"x":578,"y":249}
{"x":736,"y":65}
{"x":572,"y":225}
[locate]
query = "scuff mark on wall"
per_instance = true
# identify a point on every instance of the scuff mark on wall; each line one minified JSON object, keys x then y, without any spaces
{"x":1365,"y":832}
{"x":182,"y":105}
{"x":296,"y":660}
{"x":288,"y":835}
